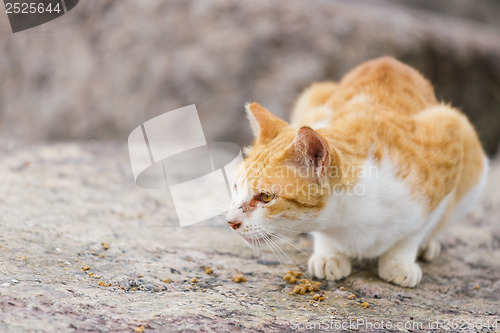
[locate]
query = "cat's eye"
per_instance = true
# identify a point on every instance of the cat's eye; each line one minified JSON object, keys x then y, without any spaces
{"x":266,"y":197}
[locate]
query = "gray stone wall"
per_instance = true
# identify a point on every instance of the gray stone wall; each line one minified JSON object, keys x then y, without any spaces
{"x":105,"y":67}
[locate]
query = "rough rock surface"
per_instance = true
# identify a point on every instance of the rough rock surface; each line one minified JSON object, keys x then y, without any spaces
{"x":107,"y":66}
{"x":59,"y":203}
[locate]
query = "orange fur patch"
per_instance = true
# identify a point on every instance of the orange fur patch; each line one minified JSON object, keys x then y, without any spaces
{"x":383,"y":109}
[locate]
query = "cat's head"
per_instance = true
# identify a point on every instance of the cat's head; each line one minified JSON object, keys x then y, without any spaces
{"x":284,"y":181}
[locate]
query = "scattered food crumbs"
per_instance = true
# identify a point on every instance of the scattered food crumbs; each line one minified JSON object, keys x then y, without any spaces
{"x":90,"y":273}
{"x":139,"y":329}
{"x":105,"y":246}
{"x":140,"y":276}
{"x":208,"y":270}
{"x":295,"y":273}
{"x":239,"y":278}
{"x":318,"y":297}
{"x":103,"y":284}
{"x":194,"y":280}
{"x":167,"y":280}
{"x":85,"y":268}
{"x":351,"y":296}
{"x":102,"y":256}
{"x":306,"y":285}
{"x":292,"y":276}
{"x":272,"y":309}
{"x":366,"y":305}
{"x":299,"y":290}
{"x":477,"y":287}
{"x":342,"y":288}
{"x":189,"y":259}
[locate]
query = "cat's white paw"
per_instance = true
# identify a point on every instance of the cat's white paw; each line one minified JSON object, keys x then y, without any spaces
{"x":332,"y":267}
{"x":431,"y":250}
{"x":404,"y":274}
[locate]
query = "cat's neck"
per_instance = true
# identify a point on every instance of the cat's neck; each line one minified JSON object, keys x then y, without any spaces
{"x":348,"y":158}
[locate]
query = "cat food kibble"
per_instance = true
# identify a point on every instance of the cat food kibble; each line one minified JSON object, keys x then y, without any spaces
{"x":239,"y":278}
{"x":103,"y":284}
{"x":292,"y":276}
{"x":305,"y":286}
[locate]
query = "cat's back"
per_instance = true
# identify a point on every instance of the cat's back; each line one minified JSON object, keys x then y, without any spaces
{"x":387,"y":83}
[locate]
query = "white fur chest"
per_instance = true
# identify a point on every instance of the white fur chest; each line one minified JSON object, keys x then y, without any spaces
{"x":376,"y":213}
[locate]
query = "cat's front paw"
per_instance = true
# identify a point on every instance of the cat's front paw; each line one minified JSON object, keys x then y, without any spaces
{"x":332,"y":268}
{"x":404,"y":274}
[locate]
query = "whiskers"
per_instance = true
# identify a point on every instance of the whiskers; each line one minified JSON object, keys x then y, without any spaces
{"x":267,"y":237}
{"x":289,"y":241}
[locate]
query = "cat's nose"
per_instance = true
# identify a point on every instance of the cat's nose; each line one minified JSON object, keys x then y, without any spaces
{"x":234,"y":224}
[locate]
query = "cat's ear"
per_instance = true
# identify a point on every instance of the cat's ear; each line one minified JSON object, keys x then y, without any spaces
{"x":309,"y":150}
{"x":265,"y":125}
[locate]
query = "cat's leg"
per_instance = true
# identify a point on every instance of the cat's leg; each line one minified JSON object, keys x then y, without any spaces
{"x":398,"y":264}
{"x":326,"y":261}
{"x":430,"y":250}
{"x":430,"y":247}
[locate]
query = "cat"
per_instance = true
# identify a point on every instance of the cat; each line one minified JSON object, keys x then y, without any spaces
{"x":372,"y":166}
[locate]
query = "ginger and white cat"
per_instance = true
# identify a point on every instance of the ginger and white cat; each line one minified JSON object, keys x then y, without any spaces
{"x":373,"y":166}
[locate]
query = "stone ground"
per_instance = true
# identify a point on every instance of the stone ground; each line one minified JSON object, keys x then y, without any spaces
{"x":60,"y":202}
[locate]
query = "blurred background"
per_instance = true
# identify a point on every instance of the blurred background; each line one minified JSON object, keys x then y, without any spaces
{"x":107,"y":66}
{"x":83,"y":248}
